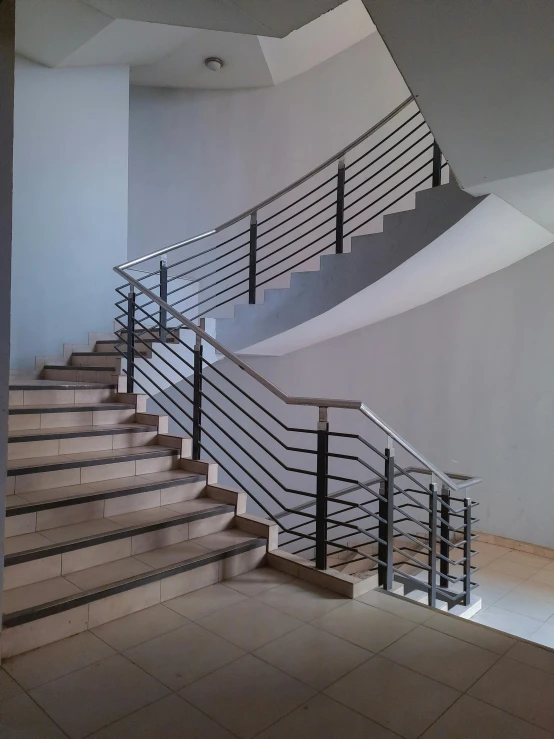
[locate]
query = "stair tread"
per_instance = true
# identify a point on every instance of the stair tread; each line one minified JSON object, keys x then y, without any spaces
{"x":68,"y":408}
{"x":69,"y":432}
{"x":98,"y":528}
{"x":116,"y":573}
{"x":43,"y":384}
{"x":108,"y":456}
{"x":85,"y":367}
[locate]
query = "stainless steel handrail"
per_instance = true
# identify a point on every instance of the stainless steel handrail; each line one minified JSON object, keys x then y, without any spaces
{"x":277,"y":195}
{"x":292,"y":400}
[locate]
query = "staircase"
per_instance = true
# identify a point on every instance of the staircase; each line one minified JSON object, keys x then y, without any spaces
{"x":107,"y":514}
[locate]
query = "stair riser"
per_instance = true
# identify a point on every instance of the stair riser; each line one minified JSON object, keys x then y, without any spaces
{"x":74,"y":445}
{"x":19,"y":639}
{"x":28,"y":523}
{"x":97,"y":360}
{"x":110,"y":348}
{"x":23,"y":483}
{"x":67,"y":419}
{"x":59,"y":397}
{"x":65,"y":564}
{"x":73,"y":374}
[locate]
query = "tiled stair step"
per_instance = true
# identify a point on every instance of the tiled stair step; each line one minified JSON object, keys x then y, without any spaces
{"x":31,"y":558}
{"x":41,"y":473}
{"x":67,"y":415}
{"x":98,"y":359}
{"x":99,"y":594}
{"x":55,"y":441}
{"x":108,"y":348}
{"x":34,"y":392}
{"x":84,"y":373}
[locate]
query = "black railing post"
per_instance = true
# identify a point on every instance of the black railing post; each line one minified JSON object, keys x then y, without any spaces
{"x":197,"y":395}
{"x":163,"y":296}
{"x":467,"y":551}
{"x":321,"y":490}
{"x":445,"y":537}
{"x":252,"y":262}
{"x":131,"y":303}
{"x":432,"y":558}
{"x":437,"y":161}
{"x":385,"y":570}
{"x":341,"y":178}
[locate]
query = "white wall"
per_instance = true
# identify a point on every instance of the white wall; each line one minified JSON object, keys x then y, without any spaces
{"x":200,"y":158}
{"x":468,"y":379}
{"x":70,"y":204}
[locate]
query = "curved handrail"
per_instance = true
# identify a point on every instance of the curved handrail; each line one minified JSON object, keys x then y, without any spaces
{"x":277,"y":195}
{"x":293,"y":400}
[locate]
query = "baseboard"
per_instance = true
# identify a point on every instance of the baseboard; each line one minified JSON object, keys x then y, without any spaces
{"x":521,"y":546}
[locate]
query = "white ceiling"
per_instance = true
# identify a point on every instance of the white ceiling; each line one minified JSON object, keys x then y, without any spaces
{"x":76,"y":33}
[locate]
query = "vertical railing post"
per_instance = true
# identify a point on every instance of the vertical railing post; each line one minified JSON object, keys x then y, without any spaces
{"x":163,"y":296}
{"x":252,"y":261}
{"x":432,"y":557}
{"x":385,"y":549}
{"x":321,"y":490}
{"x":197,"y":395}
{"x":131,"y":304}
{"x":467,"y":551}
{"x":445,"y":537}
{"x":437,"y":162}
{"x":341,"y":179}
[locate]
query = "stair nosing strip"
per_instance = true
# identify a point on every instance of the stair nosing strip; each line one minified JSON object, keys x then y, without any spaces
{"x":47,"y":505}
{"x":34,"y":613}
{"x":66,"y":433}
{"x":15,"y":471}
{"x":73,"y":367}
{"x":61,"y":386}
{"x":125,"y":532}
{"x":70,"y":408}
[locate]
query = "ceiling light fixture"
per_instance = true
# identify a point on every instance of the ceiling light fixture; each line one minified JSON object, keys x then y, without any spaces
{"x":213,"y":63}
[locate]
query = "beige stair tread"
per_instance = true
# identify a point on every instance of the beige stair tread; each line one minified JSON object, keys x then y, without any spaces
{"x":23,"y":542}
{"x":44,"y":384}
{"x":44,"y":591}
{"x":161,"y":513}
{"x":71,"y":431}
{"x":30,"y":409}
{"x":121,"y":483}
{"x":97,"y":577}
{"x":109,"y":455}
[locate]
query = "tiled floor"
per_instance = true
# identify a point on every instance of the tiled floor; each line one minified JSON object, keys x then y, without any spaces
{"x":267,"y":656}
{"x":517,"y":590}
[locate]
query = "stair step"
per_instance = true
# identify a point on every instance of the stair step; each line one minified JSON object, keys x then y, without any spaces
{"x":83,"y":367}
{"x":68,"y":415}
{"x":68,"y":408}
{"x":87,"y":598}
{"x":73,"y":469}
{"x":57,"y":392}
{"x":77,"y":431}
{"x":86,"y":373}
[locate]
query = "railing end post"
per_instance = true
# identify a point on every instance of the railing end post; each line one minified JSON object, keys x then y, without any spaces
{"x":322,"y":489}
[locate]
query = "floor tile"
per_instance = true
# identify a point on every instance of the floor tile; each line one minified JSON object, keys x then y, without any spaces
{"x":247,"y":696}
{"x":170,"y":718}
{"x":533,"y":589}
{"x":394,"y":696}
{"x":184,"y":655}
{"x":398,"y":606}
{"x":517,"y":602}
{"x":507,"y":621}
{"x":96,"y":696}
{"x":469,"y":718}
{"x":514,"y":569}
{"x":490,"y":595}
{"x":250,"y":624}
{"x":95,"y":577}
{"x":324,"y":718}
{"x":545,"y":576}
{"x":258,"y":581}
{"x":488,"y":553}
{"x":8,"y":686}
{"x":313,"y":656}
{"x":54,"y":660}
{"x":545,"y":635}
{"x":473,"y":633}
{"x":526,"y":558}
{"x":129,"y":631}
{"x":365,"y":625}
{"x":169,"y":555}
{"x":302,"y":600}
{"x":204,"y":601}
{"x":497,"y":579}
{"x":535,"y":656}
{"x":519,"y":689}
{"x":21,"y":718}
{"x":441,"y":657}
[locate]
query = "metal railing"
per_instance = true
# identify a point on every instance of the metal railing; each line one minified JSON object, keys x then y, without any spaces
{"x":294,"y":465}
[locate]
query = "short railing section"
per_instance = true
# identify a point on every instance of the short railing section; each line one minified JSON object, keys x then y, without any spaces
{"x":341,"y":484}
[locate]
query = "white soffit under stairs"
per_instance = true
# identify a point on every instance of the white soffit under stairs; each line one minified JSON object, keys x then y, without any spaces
{"x":165,"y":43}
{"x":492,"y":236}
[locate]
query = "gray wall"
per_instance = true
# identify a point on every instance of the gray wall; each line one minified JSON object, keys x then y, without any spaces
{"x":468,"y":379}
{"x":482,"y":73}
{"x":199,"y":158}
{"x":70,"y":204}
{"x":7,"y":37}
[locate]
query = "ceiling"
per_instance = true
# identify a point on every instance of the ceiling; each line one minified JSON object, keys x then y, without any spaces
{"x":166,"y":42}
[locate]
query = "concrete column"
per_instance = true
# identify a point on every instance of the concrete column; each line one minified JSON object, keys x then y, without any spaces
{"x":7,"y":39}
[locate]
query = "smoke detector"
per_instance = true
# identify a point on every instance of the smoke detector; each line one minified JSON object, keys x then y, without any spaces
{"x":213,"y":63}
